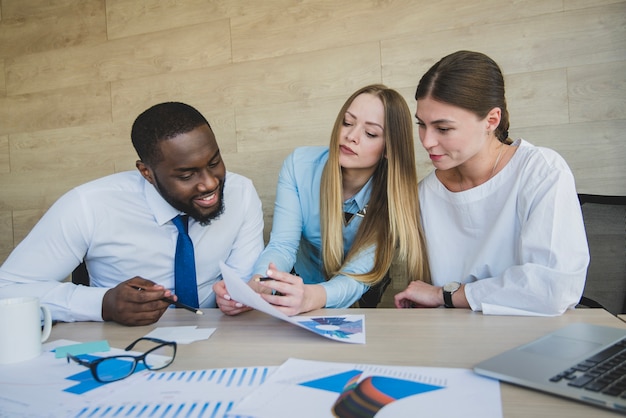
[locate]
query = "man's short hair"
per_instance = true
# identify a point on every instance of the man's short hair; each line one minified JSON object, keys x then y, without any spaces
{"x":161,"y":122}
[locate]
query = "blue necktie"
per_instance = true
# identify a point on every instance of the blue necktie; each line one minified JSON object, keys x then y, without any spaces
{"x":185,"y":265}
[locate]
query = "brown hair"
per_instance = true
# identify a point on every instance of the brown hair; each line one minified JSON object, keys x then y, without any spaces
{"x":469,"y":80}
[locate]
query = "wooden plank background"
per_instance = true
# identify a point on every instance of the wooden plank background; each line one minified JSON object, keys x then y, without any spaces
{"x":271,"y":75}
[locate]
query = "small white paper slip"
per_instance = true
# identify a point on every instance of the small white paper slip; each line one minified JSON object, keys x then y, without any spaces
{"x":181,"y":334}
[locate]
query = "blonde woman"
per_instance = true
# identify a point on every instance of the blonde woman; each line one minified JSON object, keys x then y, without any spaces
{"x":343,"y":212}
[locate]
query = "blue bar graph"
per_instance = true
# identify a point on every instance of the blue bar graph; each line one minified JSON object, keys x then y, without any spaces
{"x":183,"y":394}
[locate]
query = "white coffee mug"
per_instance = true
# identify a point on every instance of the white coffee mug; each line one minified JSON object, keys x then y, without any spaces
{"x":21,"y":334}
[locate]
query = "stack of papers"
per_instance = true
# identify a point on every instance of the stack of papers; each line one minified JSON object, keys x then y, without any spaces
{"x":298,"y":387}
{"x":314,"y":389}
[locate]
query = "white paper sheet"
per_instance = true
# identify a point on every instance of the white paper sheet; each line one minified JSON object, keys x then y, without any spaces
{"x":47,"y":386}
{"x":309,"y":389}
{"x":192,"y":393}
{"x":51,"y":387}
{"x":181,"y":334}
{"x":344,"y":328}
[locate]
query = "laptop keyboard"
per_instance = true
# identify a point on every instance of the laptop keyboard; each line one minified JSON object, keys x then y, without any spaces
{"x":604,"y":372}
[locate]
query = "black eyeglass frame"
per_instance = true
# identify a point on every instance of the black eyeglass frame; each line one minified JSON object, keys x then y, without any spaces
{"x":92,"y":365}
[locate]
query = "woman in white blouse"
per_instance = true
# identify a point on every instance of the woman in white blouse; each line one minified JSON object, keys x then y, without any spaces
{"x":501,"y":218}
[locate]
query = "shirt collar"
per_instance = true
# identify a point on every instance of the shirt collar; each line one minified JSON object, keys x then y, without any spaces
{"x":361,"y":199}
{"x":163,"y":211}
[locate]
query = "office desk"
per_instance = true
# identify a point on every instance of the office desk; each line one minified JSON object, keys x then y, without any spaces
{"x":415,"y":337}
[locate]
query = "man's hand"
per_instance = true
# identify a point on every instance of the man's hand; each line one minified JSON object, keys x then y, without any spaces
{"x":136,"y":301}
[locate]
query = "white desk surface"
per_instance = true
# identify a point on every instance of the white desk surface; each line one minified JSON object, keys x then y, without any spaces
{"x":412,"y":337}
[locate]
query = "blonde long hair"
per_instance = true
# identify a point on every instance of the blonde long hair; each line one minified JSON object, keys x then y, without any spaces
{"x":392,"y":222}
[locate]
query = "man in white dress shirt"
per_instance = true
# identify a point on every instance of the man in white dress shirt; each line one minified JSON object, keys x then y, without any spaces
{"x":121,"y":227}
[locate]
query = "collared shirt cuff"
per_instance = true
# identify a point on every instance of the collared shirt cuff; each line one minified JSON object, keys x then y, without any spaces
{"x":87,"y":303}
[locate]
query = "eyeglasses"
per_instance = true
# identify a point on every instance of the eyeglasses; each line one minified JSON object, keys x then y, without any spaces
{"x":110,"y":369}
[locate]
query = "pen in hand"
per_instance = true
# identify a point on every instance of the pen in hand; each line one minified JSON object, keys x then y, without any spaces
{"x":265,"y":279}
{"x":175,"y":303}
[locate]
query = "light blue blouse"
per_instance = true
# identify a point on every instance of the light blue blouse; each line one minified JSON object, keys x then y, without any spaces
{"x":295,"y":241}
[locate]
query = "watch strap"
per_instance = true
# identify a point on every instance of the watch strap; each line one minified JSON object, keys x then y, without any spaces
{"x":447,"y":299}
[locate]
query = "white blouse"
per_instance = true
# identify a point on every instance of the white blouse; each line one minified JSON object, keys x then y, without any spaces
{"x":517,"y":241}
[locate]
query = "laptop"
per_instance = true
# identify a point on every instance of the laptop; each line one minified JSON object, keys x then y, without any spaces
{"x":576,"y":362}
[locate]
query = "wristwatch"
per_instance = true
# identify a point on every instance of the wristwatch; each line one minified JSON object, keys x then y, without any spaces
{"x":448,"y":290}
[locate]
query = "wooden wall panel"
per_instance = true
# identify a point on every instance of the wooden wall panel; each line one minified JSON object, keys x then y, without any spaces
{"x":583,"y":4}
{"x":131,"y":17}
{"x":197,"y":46}
{"x":25,"y":9}
{"x":595,"y":152}
{"x":315,"y":25}
{"x":309,"y":122}
{"x":557,"y":40}
{"x":3,"y":86}
{"x":537,"y":98}
{"x":597,"y":92}
{"x":271,"y":75}
{"x":73,"y":106}
{"x":69,"y":148}
{"x":262,"y":168}
{"x":6,"y":237}
{"x":39,"y":189}
{"x":5,"y":165}
{"x":290,"y":78}
{"x":34,"y":26}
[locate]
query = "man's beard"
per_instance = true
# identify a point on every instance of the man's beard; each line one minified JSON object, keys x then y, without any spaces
{"x":190,"y":210}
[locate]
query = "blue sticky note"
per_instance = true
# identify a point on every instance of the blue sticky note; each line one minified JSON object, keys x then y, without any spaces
{"x":82,"y":348}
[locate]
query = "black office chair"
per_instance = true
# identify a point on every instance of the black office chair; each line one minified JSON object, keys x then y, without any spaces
{"x":80,"y":275}
{"x":374,"y":294}
{"x":605,"y":224}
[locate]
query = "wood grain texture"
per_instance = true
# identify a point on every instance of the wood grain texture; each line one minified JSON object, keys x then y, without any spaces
{"x":6,"y":238}
{"x":130,"y":17}
{"x":593,"y":150}
{"x":69,"y":107}
{"x":3,"y":84}
{"x":278,"y":126}
{"x":583,"y":4}
{"x":271,"y":75}
{"x":537,"y":98}
{"x":551,"y":41}
{"x":263,"y":168}
{"x":597,"y":92}
{"x":197,"y":46}
{"x":5,"y":164}
{"x":74,"y":147}
{"x":289,"y":78}
{"x":318,"y":25}
{"x":33,"y":26}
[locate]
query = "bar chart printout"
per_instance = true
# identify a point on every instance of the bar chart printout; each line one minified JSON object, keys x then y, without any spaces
{"x":195,"y":393}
